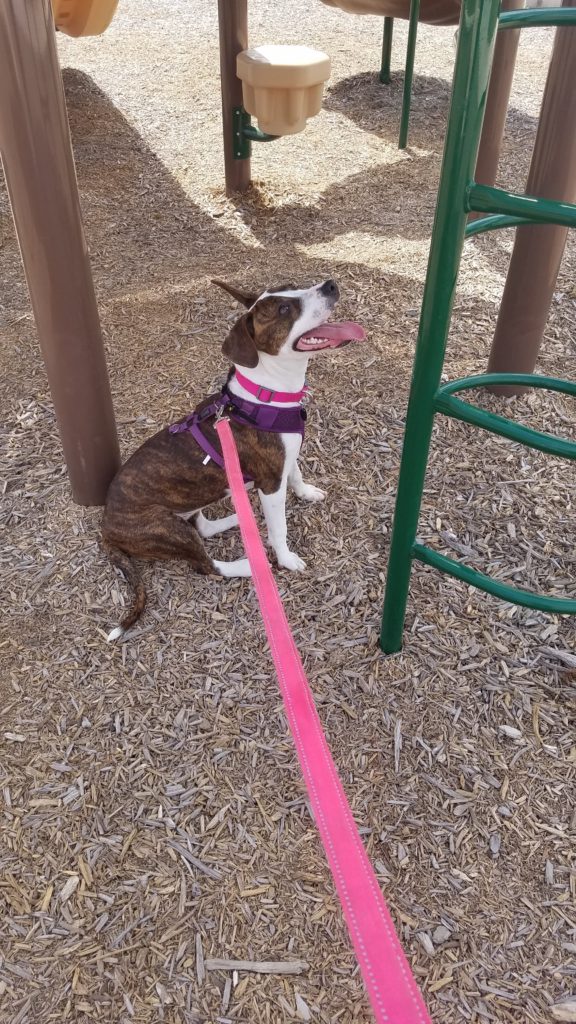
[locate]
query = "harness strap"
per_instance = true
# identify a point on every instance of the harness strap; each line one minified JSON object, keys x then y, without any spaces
{"x":191,"y":425}
{"x":253,"y":414}
{"x":266,"y":417}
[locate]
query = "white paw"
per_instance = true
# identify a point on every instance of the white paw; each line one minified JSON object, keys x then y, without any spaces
{"x":291,"y":561}
{"x":310,"y":493}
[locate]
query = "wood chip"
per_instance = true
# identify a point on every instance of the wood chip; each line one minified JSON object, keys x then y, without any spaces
{"x":302,"y":1008}
{"x":258,"y":967}
{"x":566,"y":1010}
{"x":200,"y":969}
{"x":69,"y":888}
{"x":440,"y":934}
{"x":495,"y":843}
{"x":510,"y":731}
{"x":566,"y":657}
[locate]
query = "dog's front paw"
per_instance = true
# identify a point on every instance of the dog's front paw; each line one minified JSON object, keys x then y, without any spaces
{"x":310,"y":493}
{"x":289,"y":560}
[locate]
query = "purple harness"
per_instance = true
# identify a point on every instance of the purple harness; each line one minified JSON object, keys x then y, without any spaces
{"x":251,"y":414}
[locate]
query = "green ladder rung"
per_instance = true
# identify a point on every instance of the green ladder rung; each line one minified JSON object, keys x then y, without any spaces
{"x":494,"y":222}
{"x":445,"y":402}
{"x":515,"y":595}
{"x":485,"y":199}
{"x":535,"y":18}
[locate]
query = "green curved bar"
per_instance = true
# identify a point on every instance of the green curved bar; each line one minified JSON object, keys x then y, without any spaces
{"x":445,"y":403}
{"x":515,"y":595}
{"x":492,"y":223}
{"x":255,"y":135}
{"x":529,"y":380}
{"x":485,"y":199}
{"x":537,"y":18}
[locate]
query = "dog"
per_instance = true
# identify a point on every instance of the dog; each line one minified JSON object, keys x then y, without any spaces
{"x":154,"y":504}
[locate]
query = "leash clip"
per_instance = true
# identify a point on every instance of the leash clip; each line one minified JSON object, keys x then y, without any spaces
{"x":220,"y":414}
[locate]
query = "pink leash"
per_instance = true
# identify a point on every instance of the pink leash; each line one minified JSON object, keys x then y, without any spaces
{"x":393,"y":992}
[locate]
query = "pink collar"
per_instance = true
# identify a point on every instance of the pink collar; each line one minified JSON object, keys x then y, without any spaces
{"x":265,"y":394}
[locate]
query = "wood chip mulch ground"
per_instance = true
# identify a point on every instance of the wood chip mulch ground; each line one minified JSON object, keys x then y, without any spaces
{"x":158,"y":861}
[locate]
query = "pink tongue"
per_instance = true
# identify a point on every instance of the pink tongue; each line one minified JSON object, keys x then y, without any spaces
{"x":337,"y":333}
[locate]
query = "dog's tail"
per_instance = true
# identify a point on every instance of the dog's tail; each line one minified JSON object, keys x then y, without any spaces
{"x":134,"y":579}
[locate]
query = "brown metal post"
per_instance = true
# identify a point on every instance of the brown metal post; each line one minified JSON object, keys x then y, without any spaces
{"x":40,"y":175}
{"x":497,"y":101}
{"x":538,"y":250}
{"x":233,"y":26}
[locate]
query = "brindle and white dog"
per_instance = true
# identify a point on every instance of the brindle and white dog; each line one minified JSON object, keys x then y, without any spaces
{"x":148,"y":507}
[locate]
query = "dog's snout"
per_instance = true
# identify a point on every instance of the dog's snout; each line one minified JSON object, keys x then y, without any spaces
{"x":330,"y":290}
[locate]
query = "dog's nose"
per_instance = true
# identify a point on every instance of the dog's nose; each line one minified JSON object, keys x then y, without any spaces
{"x":330,"y":290}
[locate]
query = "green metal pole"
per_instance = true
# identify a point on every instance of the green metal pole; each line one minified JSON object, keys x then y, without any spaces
{"x":471,"y":74}
{"x":409,"y":72}
{"x":386,"y":51}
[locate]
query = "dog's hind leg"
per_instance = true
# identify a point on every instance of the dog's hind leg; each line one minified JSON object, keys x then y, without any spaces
{"x":211,"y":527}
{"x":182,"y":540}
{"x":240,"y":567}
{"x":165,"y":536}
{"x":157,"y":534}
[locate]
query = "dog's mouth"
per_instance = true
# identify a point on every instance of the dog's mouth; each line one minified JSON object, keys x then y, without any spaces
{"x":330,"y":335}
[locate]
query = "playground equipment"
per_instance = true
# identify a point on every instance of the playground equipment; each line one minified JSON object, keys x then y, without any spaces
{"x":459,"y":194}
{"x":83,"y":17}
{"x":39,"y":170}
{"x":444,"y":12}
{"x":282,"y":86}
{"x":432,"y":12}
{"x":41,"y":180}
{"x":238,"y":132}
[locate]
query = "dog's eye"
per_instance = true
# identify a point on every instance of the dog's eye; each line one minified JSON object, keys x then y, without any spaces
{"x":284,"y":309}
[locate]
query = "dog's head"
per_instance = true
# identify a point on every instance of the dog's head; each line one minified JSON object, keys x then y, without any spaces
{"x":286,"y":321}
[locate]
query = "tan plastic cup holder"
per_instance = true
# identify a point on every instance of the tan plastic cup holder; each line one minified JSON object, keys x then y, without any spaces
{"x":83,"y":17}
{"x":282,"y":86}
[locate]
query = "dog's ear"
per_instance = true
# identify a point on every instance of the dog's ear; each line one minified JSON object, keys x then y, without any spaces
{"x":245,"y":298}
{"x":239,"y":345}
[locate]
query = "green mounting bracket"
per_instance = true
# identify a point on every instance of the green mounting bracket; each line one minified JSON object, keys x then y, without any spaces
{"x":244,"y":134}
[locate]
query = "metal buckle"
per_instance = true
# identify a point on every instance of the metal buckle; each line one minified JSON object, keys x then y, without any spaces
{"x":220,"y":414}
{"x":259,"y":394}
